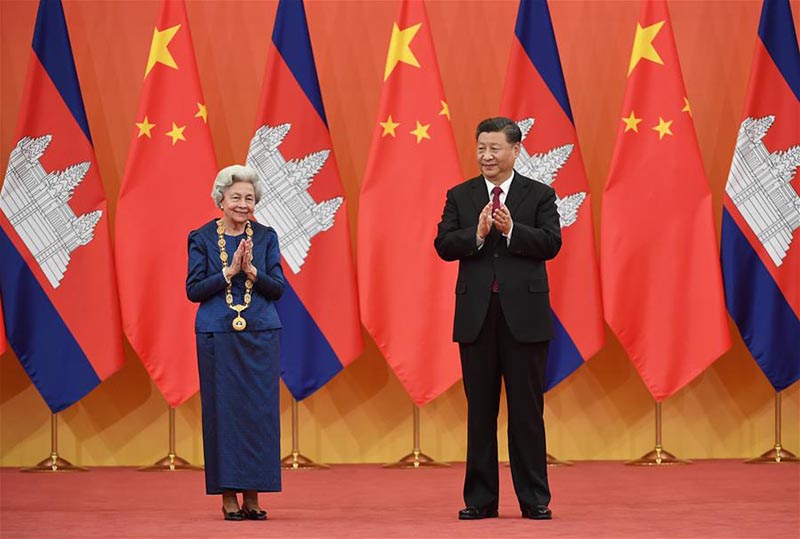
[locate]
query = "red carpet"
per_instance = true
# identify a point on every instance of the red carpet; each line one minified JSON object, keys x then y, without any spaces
{"x":591,"y":499}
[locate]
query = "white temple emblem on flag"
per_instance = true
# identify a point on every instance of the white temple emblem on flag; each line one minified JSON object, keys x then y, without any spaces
{"x":543,"y":168}
{"x":760,"y":187}
{"x":36,"y":203}
{"x":286,"y":205}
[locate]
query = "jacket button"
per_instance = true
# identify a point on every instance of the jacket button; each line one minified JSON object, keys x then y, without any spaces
{"x":496,"y":255}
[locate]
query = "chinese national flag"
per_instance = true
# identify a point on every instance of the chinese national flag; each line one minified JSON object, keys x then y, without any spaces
{"x":661,"y":280}
{"x":165,"y":194}
{"x":406,"y":291}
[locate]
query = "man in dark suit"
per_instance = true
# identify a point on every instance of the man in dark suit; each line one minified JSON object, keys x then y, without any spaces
{"x":502,"y":227}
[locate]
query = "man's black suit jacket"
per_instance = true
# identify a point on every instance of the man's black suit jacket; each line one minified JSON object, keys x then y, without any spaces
{"x":519,"y":266}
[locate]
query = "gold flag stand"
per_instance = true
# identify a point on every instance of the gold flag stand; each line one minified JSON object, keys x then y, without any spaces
{"x":296,"y":460}
{"x":172,"y":462}
{"x":553,"y":461}
{"x":54,"y":463}
{"x":416,"y":459}
{"x":777,"y":454}
{"x":658,"y":456}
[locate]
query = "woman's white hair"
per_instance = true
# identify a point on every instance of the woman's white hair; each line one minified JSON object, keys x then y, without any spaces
{"x":232,"y":174}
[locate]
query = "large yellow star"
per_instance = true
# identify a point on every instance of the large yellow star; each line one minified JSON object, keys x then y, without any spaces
{"x":631,"y":123}
{"x":445,"y":110}
{"x":389,"y":126}
{"x":159,"y":53}
{"x":399,"y":50}
{"x":176,"y":133}
{"x":643,"y":45}
{"x":686,"y":107}
{"x":421,"y":132}
{"x":202,"y":113}
{"x":663,"y":128}
{"x":144,"y":128}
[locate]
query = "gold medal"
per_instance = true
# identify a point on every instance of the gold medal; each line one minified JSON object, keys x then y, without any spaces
{"x":239,"y":323}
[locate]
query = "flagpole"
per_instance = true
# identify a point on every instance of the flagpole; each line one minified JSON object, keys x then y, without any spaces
{"x":296,"y":460}
{"x":416,"y":459}
{"x":658,"y":456}
{"x":777,"y":454}
{"x":172,"y":462}
{"x":54,"y":463}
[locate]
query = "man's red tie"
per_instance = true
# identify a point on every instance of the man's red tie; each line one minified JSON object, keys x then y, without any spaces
{"x":496,"y":192}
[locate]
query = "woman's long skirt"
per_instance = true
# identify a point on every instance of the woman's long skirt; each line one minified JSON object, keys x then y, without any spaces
{"x":239,"y":392}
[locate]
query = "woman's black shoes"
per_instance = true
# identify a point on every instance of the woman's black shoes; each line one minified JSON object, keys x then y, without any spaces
{"x":254,"y":514}
{"x":233,"y":515}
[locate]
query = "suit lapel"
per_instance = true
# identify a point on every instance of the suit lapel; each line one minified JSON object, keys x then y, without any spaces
{"x":480,"y":195}
{"x":520,"y":187}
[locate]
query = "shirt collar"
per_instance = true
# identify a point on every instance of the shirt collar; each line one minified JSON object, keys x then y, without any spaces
{"x":505,"y":186}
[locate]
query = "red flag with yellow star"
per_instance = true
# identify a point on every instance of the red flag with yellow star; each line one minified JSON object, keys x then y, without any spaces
{"x":165,"y":194}
{"x":406,"y":291}
{"x":662,"y":287}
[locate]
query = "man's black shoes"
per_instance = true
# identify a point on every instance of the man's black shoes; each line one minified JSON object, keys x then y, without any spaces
{"x":533,"y":512}
{"x":537,"y":512}
{"x":477,"y":513}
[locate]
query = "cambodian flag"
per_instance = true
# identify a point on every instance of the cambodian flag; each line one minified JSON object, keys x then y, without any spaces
{"x":761,"y":212}
{"x":304,"y":202}
{"x":56,"y":272}
{"x":2,"y":329}
{"x":535,"y":96}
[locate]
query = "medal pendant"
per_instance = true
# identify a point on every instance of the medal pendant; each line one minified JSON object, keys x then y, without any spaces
{"x":239,"y":323}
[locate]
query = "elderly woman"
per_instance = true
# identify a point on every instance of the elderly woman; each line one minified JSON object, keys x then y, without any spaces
{"x":235,"y":275}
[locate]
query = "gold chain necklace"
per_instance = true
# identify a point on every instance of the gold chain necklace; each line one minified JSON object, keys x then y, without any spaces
{"x":239,"y":323}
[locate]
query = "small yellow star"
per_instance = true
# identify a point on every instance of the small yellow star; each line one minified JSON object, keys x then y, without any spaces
{"x":389,"y":126}
{"x":176,"y":133}
{"x":144,"y":128}
{"x":686,"y":107}
{"x":631,"y":123}
{"x":663,"y":128}
{"x":445,"y":110}
{"x":399,"y":48}
{"x":643,"y":45}
{"x":421,"y":132}
{"x":202,"y":113}
{"x":159,"y":53}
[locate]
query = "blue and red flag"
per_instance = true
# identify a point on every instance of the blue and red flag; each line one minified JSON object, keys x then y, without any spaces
{"x":761,"y":210}
{"x":304,"y":203}
{"x":56,"y":270}
{"x":2,"y":330}
{"x":535,"y":96}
